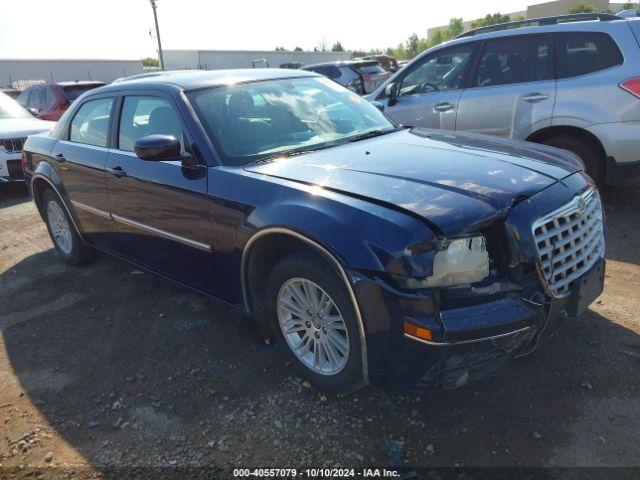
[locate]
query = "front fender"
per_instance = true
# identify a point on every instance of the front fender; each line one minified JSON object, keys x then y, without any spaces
{"x":361,"y":235}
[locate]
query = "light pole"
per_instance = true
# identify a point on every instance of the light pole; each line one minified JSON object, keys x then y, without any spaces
{"x":155,"y":17}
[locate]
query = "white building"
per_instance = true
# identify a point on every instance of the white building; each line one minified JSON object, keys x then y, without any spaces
{"x":21,"y":72}
{"x":221,"y":59}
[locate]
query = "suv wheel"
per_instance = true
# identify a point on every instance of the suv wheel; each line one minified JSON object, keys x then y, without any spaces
{"x":63,"y":234}
{"x":313,"y":316}
{"x":583,"y":148}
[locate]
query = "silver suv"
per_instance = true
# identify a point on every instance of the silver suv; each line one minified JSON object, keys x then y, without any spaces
{"x":572,"y":82}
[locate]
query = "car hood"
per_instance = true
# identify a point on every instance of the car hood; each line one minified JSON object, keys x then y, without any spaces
{"x":22,"y":127}
{"x":457,"y":182}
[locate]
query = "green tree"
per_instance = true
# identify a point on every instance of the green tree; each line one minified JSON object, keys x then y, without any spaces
{"x":150,"y":62}
{"x":412,"y":45}
{"x":582,"y":8}
{"x":490,"y":20}
{"x":629,"y":6}
{"x":281,"y":49}
{"x":337,"y":47}
{"x":455,"y":27}
{"x":298,"y":49}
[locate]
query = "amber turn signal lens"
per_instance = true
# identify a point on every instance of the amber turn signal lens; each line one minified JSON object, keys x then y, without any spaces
{"x":418,"y":332}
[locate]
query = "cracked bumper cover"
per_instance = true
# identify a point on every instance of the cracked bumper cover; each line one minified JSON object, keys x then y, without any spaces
{"x":479,"y":340}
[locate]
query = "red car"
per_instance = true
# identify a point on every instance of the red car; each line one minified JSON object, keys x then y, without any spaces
{"x":48,"y":101}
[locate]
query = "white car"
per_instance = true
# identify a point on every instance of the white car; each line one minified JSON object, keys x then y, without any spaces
{"x":16,"y":124}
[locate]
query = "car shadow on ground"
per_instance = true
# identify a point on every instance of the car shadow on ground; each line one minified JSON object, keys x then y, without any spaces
{"x":11,"y":195}
{"x":132,"y":371}
{"x":622,"y":212}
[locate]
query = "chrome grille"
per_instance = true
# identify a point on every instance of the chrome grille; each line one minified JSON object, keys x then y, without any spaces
{"x":12,"y":144}
{"x":570,"y":240}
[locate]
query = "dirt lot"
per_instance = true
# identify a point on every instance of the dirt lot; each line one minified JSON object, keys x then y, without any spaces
{"x":104,"y":367}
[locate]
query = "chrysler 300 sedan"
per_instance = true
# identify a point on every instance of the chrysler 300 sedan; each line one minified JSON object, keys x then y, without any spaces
{"x":376,"y":253}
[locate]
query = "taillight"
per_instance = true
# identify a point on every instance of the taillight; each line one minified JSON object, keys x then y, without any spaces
{"x":23,"y":163}
{"x":632,"y":86}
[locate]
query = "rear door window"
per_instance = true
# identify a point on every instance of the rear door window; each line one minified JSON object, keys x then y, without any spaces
{"x":90,"y":125}
{"x":514,"y":60}
{"x":142,"y":116}
{"x":579,"y":53}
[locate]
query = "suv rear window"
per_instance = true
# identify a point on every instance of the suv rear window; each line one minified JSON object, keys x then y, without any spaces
{"x":579,"y":53}
{"x":327,"y":71}
{"x":72,"y":92}
{"x":372,"y":69}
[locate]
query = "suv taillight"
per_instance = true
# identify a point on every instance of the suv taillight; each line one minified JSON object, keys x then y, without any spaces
{"x":632,"y":86}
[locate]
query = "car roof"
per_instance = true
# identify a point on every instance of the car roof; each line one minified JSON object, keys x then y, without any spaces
{"x":195,"y":79}
{"x":582,"y":26}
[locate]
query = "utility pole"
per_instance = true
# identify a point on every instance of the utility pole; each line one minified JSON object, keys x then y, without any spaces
{"x":155,"y":17}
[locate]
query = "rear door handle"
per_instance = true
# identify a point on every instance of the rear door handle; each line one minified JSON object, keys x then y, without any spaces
{"x":535,"y":97}
{"x":117,"y":172}
{"x":443,"y":107}
{"x":59,"y":158}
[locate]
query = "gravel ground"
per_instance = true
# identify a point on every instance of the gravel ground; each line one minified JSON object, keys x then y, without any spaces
{"x":104,"y":367}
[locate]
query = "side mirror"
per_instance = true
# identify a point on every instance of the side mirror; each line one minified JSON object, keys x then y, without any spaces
{"x":391,"y":92}
{"x":154,"y":148}
{"x":34,"y":111}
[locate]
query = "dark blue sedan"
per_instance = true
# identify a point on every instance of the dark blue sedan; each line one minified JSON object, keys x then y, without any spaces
{"x":376,"y":253}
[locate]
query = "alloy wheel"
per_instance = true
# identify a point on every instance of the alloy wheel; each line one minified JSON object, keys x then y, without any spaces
{"x":313,"y":326}
{"x":60,"y":230}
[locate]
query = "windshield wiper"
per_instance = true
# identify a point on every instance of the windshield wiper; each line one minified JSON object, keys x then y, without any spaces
{"x":371,"y":134}
{"x":293,"y":153}
{"x":322,"y":146}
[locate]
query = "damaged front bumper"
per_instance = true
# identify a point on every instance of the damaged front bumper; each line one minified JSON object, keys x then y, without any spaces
{"x":476,"y":341}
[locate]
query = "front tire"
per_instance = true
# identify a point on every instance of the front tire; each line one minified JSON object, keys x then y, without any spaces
{"x":63,"y":234}
{"x":313,"y":316}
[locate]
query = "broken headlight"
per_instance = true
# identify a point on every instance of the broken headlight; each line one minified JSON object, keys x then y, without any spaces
{"x":460,"y":261}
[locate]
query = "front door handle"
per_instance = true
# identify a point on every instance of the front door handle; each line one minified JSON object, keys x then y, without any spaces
{"x":443,"y":107}
{"x":59,"y":158}
{"x":117,"y":172}
{"x":535,"y":97}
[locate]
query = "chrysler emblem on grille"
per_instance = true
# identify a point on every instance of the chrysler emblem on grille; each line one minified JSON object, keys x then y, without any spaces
{"x":582,"y":204}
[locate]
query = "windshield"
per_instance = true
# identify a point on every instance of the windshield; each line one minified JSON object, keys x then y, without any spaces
{"x":9,"y":108}
{"x":254,"y":121}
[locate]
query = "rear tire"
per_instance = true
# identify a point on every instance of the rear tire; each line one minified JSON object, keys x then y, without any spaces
{"x":323,"y":331}
{"x":584,"y":148}
{"x":62,"y":231}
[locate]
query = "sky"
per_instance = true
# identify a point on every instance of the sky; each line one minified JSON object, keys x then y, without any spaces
{"x":120,"y":28}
